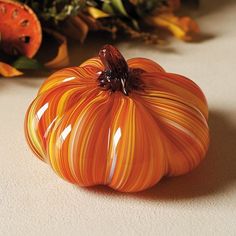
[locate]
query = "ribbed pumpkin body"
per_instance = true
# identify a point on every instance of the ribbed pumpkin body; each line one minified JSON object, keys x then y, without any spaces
{"x":91,"y":136}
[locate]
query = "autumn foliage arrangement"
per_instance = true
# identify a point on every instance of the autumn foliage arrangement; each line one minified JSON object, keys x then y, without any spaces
{"x":27,"y":25}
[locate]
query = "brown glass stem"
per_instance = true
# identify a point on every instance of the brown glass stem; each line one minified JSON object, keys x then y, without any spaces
{"x":117,"y":76}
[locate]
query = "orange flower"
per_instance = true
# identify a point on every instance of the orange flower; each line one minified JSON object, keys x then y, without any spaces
{"x":20,"y":29}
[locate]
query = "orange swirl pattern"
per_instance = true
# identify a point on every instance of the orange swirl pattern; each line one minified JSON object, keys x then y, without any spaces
{"x":91,"y":136}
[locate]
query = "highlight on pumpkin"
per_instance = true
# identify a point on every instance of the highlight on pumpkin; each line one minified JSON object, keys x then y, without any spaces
{"x":124,"y":124}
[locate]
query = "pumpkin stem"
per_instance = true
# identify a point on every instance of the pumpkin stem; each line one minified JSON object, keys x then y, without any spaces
{"x":117,"y":76}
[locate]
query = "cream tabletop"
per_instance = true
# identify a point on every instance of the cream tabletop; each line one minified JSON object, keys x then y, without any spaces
{"x":34,"y":201}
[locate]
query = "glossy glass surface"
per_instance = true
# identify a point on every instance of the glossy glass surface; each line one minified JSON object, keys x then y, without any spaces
{"x":90,"y":136}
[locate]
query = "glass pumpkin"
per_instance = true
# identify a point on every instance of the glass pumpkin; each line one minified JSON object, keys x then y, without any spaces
{"x":117,"y":123}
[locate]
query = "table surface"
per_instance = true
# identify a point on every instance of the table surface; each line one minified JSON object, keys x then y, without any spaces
{"x":34,"y":201}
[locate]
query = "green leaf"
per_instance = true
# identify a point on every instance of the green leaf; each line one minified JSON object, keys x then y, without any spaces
{"x":106,"y":7}
{"x":135,"y":24}
{"x":56,"y":10}
{"x":118,"y":5}
{"x":27,"y":63}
